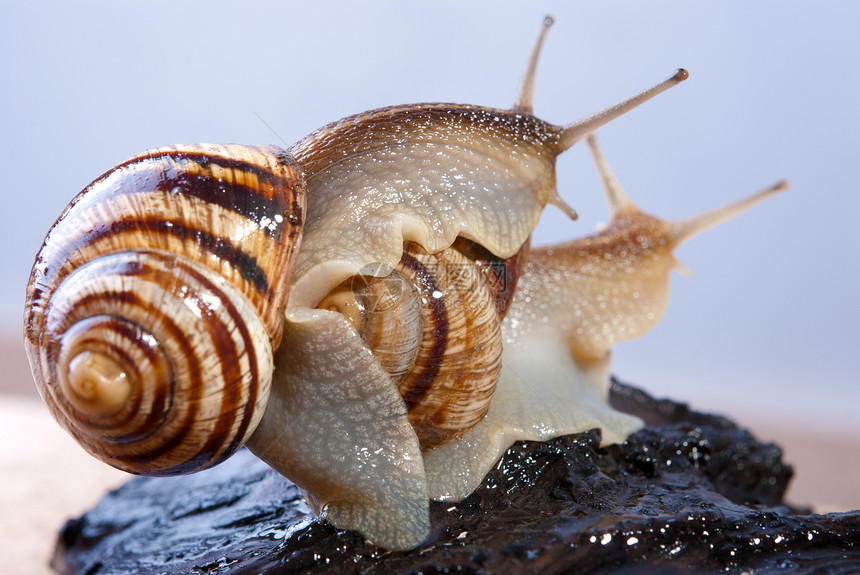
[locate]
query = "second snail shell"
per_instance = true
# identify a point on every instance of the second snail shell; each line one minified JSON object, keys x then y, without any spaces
{"x":363,"y":310}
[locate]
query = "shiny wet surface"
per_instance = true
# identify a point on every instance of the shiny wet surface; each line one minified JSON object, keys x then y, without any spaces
{"x":690,"y":493}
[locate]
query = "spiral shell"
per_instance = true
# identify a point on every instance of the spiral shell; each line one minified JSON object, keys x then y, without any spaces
{"x":434,"y":324}
{"x":156,"y":299}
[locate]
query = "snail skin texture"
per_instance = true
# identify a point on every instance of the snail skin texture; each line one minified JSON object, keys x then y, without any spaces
{"x":362,"y":310}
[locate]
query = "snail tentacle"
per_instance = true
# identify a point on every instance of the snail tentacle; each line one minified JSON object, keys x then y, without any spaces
{"x":688,"y":227}
{"x":525,"y":98}
{"x":574,"y":132}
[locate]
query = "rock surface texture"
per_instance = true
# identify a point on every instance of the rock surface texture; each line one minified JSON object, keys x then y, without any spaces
{"x":690,"y":493}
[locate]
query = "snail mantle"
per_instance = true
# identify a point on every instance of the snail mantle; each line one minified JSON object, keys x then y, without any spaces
{"x":362,"y":310}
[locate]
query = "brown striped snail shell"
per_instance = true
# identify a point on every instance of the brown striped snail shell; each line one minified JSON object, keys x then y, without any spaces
{"x":155,"y":302}
{"x":434,"y":324}
{"x":421,"y":336}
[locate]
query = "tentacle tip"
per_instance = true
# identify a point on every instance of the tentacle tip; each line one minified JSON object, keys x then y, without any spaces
{"x":567,"y":209}
{"x":548,"y":21}
{"x":574,"y":132}
{"x":683,"y":269}
{"x":780,"y":186}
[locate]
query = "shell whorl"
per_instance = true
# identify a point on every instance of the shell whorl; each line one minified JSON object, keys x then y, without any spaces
{"x":434,"y":324}
{"x":156,"y":300}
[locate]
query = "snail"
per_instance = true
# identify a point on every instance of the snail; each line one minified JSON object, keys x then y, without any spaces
{"x":362,"y":310}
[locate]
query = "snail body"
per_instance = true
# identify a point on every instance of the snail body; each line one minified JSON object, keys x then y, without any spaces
{"x":363,"y":309}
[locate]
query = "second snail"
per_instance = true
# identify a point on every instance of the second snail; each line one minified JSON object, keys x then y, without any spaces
{"x":362,"y":310}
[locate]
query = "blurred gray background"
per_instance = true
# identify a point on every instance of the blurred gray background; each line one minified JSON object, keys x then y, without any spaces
{"x":769,"y":322}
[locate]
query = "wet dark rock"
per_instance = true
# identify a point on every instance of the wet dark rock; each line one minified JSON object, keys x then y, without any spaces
{"x":690,"y":493}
